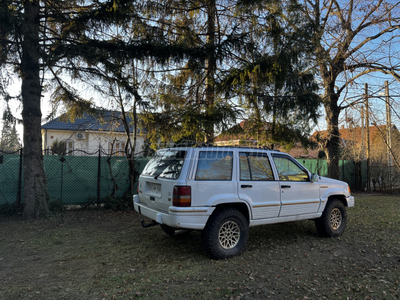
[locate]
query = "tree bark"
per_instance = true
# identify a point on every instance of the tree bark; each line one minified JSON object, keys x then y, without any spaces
{"x":130,"y":146}
{"x":35,"y":189}
{"x":332,"y":140}
{"x":131,"y":158}
{"x":210,"y":71}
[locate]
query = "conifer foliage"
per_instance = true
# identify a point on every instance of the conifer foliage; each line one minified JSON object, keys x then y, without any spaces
{"x":254,"y":67}
{"x":190,"y":67}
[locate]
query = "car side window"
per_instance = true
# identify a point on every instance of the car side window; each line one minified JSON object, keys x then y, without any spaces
{"x":255,"y":167}
{"x":288,"y":170}
{"x":214,"y":166}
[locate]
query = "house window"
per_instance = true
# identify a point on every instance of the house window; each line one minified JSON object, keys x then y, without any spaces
{"x":116,"y":148}
{"x":69,"y":147}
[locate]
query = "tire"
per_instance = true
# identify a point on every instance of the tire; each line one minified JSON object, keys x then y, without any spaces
{"x":225,"y":234}
{"x":172,"y":231}
{"x":333,"y":221}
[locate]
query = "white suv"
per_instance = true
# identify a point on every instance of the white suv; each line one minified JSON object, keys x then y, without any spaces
{"x":223,"y":191}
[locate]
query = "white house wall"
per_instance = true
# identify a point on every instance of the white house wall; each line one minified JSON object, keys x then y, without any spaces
{"x":90,"y":143}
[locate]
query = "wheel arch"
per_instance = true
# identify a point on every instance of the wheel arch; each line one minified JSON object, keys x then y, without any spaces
{"x":341,"y":198}
{"x":240,"y":206}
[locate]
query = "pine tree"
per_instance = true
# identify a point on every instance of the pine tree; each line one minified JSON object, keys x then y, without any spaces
{"x":56,"y":38}
{"x":253,"y":64}
{"x":273,"y":80}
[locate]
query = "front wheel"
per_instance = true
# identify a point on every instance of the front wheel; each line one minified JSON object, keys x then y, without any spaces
{"x":226,"y":233}
{"x":333,"y":221}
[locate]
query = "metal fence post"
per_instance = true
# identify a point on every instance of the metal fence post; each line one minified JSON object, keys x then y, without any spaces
{"x":62,"y":159}
{"x":19,"y":192}
{"x":98,"y":177}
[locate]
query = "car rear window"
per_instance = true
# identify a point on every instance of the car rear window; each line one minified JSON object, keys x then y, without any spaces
{"x":214,"y":165}
{"x":165,"y":164}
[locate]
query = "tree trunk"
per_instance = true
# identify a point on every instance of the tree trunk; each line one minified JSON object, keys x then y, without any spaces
{"x":131,"y":159}
{"x":210,"y":69}
{"x":35,"y":189}
{"x":332,"y":140}
{"x":130,"y":145}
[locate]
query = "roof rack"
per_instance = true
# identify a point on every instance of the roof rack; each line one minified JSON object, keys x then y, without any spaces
{"x":201,"y":145}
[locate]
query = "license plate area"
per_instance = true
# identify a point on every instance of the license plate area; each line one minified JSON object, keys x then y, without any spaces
{"x":153,"y":189}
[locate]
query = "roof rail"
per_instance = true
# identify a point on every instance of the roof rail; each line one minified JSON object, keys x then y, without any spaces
{"x":199,"y":145}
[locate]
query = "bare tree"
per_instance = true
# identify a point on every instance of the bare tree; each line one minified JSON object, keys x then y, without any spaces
{"x":351,"y":39}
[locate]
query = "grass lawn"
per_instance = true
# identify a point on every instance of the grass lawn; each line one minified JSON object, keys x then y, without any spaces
{"x":97,"y":254}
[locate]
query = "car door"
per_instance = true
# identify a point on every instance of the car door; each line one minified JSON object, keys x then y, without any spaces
{"x":212,"y":181}
{"x":298,"y":194}
{"x":256,"y":184}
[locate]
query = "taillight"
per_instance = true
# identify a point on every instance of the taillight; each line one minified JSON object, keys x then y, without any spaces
{"x":182,"y":196}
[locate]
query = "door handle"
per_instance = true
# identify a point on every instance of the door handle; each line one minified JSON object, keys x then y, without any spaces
{"x":285,"y":186}
{"x":243,"y":186}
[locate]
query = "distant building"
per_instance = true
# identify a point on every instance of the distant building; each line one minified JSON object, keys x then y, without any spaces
{"x":242,"y":135}
{"x":89,"y":133}
{"x":353,"y":141}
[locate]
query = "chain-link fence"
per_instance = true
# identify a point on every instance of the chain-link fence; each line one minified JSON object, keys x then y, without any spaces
{"x":77,"y":179}
{"x":384,"y":178}
{"x":87,"y":178}
{"x":10,"y":177}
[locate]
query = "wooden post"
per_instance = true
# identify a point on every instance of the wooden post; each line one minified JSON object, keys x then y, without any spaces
{"x":388,"y":134}
{"x":367,"y":139}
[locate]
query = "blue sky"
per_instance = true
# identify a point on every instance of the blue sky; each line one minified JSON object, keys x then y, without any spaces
{"x":376,"y":88}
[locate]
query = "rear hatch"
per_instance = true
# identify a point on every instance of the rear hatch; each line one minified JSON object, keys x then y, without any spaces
{"x":161,"y":174}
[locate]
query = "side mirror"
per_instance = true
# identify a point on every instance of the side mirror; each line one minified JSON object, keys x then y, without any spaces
{"x":314,"y":177}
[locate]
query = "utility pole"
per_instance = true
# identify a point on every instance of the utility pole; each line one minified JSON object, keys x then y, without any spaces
{"x":362,"y":152}
{"x":388,"y":133}
{"x":367,"y":138}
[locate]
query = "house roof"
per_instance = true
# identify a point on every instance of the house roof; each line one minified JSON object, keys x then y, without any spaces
{"x":243,"y":130}
{"x":104,"y":120}
{"x":354,"y":134}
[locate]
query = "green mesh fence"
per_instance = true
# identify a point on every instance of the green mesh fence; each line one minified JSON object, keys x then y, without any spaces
{"x":73,"y":180}
{"x":86,"y":178}
{"x":9,"y":177}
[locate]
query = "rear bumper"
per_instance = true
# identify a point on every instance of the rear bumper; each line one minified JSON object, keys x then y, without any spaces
{"x":193,"y":218}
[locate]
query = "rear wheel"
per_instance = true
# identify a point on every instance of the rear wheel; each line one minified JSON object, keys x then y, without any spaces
{"x":226,"y":233}
{"x":333,"y":221}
